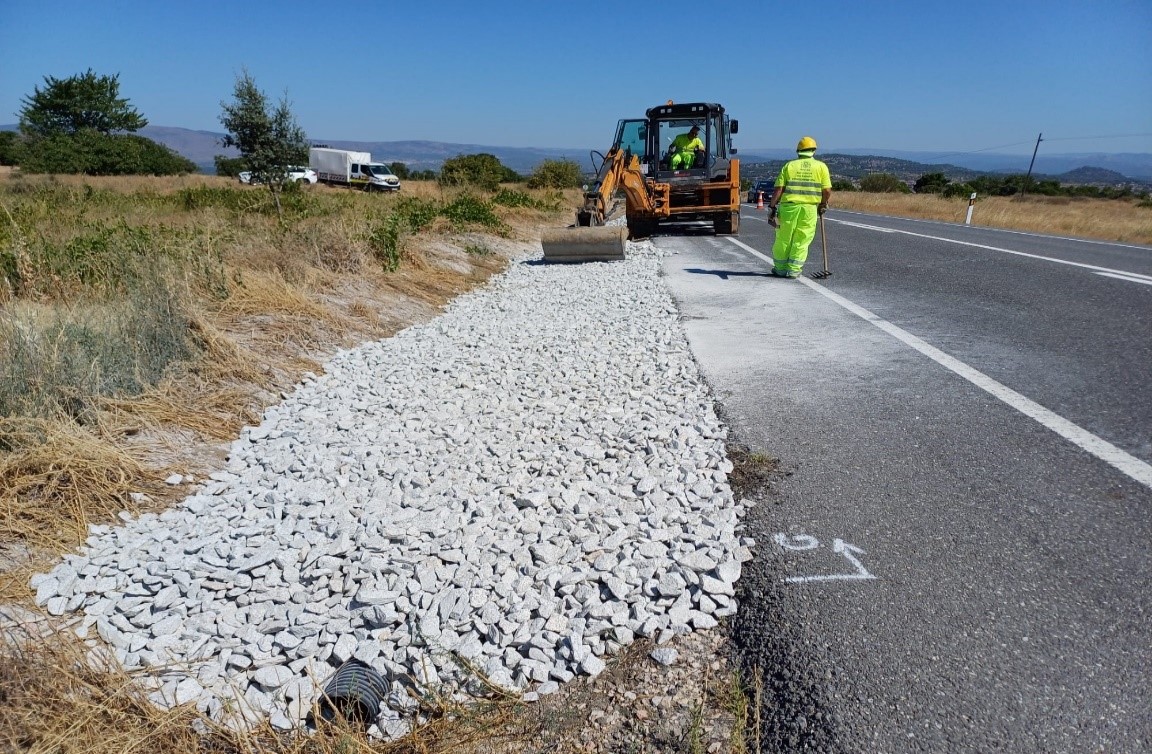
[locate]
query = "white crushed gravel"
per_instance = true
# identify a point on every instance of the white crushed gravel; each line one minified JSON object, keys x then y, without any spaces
{"x":527,"y":482}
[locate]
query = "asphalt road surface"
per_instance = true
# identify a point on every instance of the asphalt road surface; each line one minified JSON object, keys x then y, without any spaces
{"x":955,"y":555}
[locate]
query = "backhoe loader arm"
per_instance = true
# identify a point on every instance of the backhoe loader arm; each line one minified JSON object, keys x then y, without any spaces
{"x":621,"y":170}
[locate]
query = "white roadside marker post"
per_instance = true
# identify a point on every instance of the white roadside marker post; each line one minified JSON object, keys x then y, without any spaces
{"x":971,"y":202}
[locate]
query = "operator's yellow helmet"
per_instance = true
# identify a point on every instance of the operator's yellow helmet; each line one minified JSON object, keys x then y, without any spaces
{"x":806,"y":143}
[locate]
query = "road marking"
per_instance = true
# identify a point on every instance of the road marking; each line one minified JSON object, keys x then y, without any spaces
{"x":996,"y":230}
{"x":866,"y":227}
{"x":1095,"y":268}
{"x":1129,"y":276}
{"x":803,"y":541}
{"x":1102,"y":449}
{"x":798,"y":542}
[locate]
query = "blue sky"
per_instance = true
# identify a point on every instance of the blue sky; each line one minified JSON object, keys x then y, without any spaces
{"x":944,"y":77}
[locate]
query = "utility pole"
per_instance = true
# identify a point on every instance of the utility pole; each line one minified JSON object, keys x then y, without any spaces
{"x":1028,"y":178}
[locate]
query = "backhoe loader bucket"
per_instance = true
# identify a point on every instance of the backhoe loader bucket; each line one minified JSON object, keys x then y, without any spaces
{"x":602,"y":243}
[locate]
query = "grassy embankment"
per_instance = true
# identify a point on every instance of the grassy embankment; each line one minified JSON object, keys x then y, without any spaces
{"x":138,"y":311}
{"x":143,"y":322}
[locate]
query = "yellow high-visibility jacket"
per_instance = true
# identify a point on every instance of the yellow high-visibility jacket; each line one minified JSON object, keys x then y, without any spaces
{"x":686,"y":143}
{"x":804,"y":180}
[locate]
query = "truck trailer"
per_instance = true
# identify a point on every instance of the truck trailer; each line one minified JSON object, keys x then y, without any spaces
{"x":343,"y":167}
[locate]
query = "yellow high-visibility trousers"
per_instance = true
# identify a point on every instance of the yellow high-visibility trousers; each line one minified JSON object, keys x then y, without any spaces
{"x":793,"y":237}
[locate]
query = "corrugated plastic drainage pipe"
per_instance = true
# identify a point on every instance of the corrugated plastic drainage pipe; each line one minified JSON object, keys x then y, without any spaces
{"x":355,"y":693}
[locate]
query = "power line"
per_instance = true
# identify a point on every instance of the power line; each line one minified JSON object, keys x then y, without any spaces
{"x":1104,"y":136}
{"x":974,"y":151}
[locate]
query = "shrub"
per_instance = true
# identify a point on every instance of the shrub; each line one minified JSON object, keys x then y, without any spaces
{"x":230,"y":167}
{"x":556,"y":174}
{"x":468,"y":210}
{"x":511,"y":198}
{"x":480,"y":170}
{"x":384,"y":239}
{"x":930,"y":183}
{"x":10,"y":145}
{"x":883,"y":183}
{"x":952,"y":190}
{"x":94,"y":153}
{"x":105,"y":347}
{"x":418,"y":213}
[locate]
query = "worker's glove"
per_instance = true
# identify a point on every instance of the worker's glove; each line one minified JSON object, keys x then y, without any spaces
{"x":772,"y":212}
{"x":821,"y":208}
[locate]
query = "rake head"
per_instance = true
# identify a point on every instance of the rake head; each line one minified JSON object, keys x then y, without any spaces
{"x":821,"y":275}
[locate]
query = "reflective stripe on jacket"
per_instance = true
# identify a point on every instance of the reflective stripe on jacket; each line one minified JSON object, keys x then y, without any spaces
{"x":804,"y":180}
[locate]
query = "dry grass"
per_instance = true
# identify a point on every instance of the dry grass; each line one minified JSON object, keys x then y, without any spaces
{"x":55,"y":696}
{"x":1120,"y":220}
{"x":58,"y":478}
{"x":292,"y":298}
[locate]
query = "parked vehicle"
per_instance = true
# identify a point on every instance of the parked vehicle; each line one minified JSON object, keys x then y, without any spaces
{"x":295,"y":174}
{"x":765,"y":185}
{"x":342,"y":167}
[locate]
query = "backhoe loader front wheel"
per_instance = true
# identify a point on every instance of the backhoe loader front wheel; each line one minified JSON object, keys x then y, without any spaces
{"x":727,"y":224}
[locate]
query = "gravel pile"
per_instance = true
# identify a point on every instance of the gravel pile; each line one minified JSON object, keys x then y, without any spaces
{"x":517,"y":488}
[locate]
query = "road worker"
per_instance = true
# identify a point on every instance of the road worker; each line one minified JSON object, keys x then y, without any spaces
{"x":683,"y":149}
{"x":802,"y":191}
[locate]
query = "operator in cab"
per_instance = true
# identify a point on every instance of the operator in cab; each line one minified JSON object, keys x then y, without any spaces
{"x":683,"y":149}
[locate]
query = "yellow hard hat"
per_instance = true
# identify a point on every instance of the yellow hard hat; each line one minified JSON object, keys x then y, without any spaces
{"x":806,"y":143}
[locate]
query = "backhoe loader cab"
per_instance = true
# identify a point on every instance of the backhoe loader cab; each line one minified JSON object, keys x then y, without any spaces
{"x":658,"y":195}
{"x":651,"y":140}
{"x":667,"y":122}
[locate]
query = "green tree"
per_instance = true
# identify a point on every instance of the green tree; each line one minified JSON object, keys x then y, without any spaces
{"x":78,"y":103}
{"x":268,"y":137}
{"x":842,"y":184}
{"x":481,"y":170}
{"x":556,"y":174}
{"x":93,"y":153}
{"x":931,"y":183}
{"x":953,"y":190}
{"x":9,"y":148}
{"x":883,"y":183}
{"x":229,"y":166}
{"x":400,"y":170}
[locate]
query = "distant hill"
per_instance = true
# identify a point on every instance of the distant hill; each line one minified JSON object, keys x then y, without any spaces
{"x":1092,"y":176}
{"x":855,"y":167}
{"x":1137,"y":165}
{"x":201,"y":147}
{"x":430,"y":155}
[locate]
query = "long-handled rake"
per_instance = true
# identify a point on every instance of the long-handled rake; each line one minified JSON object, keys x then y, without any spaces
{"x":824,"y":273}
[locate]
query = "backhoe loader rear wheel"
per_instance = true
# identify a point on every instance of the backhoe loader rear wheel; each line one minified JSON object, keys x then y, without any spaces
{"x":727,"y":224}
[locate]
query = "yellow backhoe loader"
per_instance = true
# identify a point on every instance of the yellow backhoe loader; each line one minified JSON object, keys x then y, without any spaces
{"x":668,"y":183}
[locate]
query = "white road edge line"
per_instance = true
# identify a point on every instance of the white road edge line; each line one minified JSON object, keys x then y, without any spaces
{"x":1102,"y":449}
{"x":1127,"y":275}
{"x":997,"y":230}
